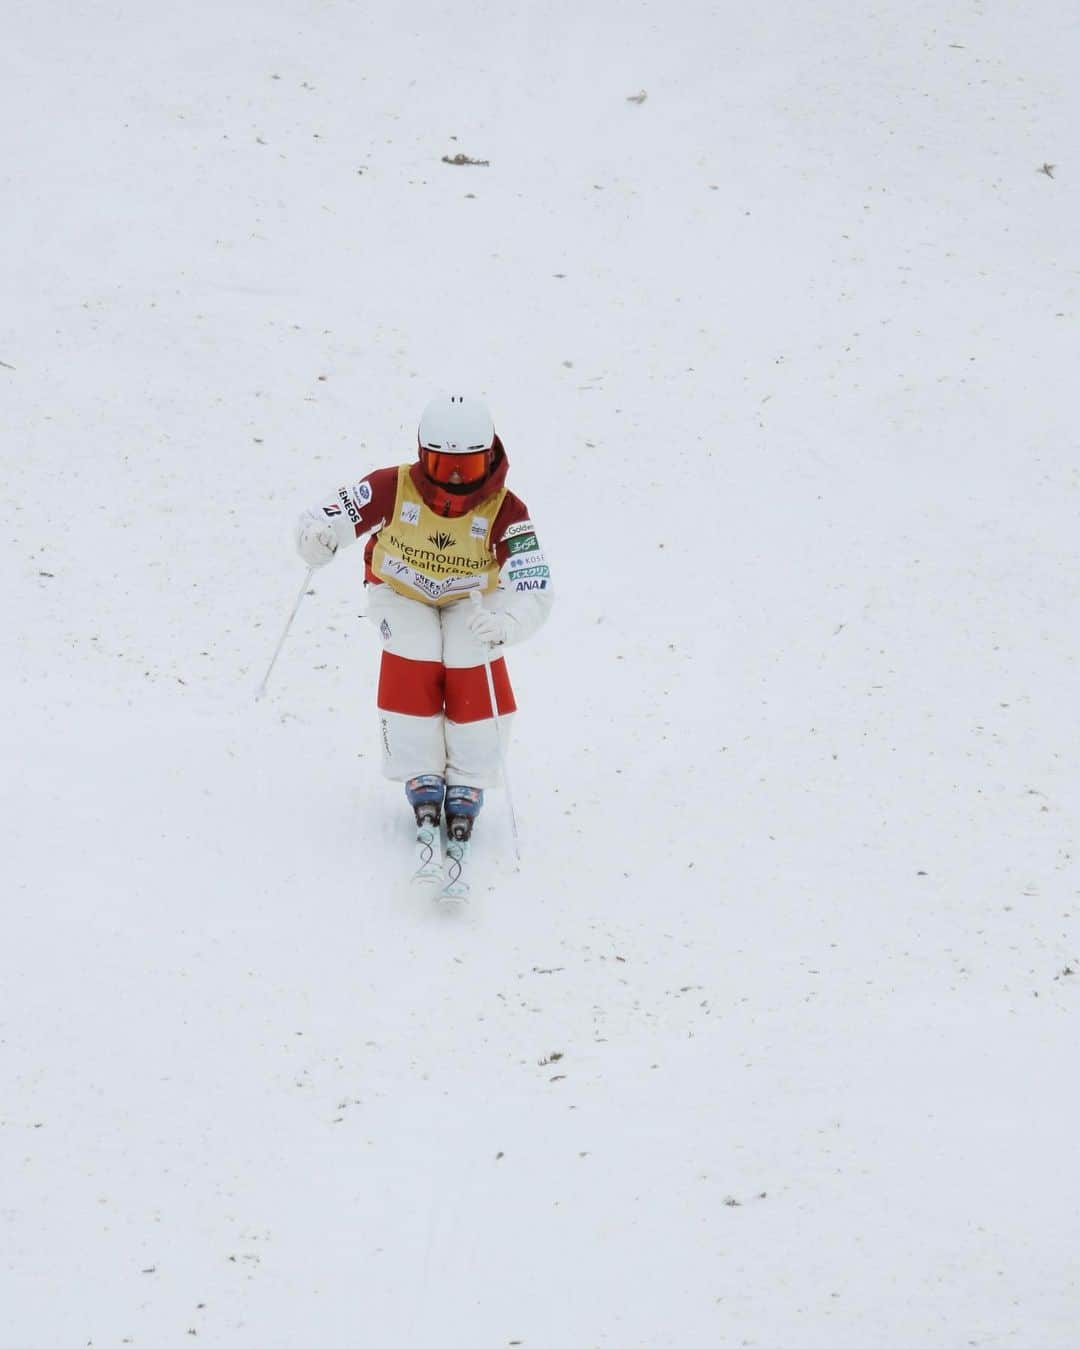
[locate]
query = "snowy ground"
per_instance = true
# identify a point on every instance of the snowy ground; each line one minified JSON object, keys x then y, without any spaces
{"x":771,"y":1041}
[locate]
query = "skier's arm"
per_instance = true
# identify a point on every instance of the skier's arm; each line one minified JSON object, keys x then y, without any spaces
{"x":523,"y":600}
{"x":348,"y":515}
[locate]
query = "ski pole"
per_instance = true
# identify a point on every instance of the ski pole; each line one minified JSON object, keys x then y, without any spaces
{"x":475,"y":598}
{"x":288,"y":625}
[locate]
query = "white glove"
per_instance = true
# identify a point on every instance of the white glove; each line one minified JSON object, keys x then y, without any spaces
{"x":489,"y":625}
{"x":316,"y":541}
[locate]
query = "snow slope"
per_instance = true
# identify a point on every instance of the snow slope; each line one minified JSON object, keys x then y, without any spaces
{"x":771,"y":1040}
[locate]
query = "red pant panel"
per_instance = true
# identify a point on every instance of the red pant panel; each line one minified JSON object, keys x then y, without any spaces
{"x":414,"y":687}
{"x":467,"y":696}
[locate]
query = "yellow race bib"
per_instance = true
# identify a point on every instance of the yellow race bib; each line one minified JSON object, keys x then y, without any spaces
{"x":432,"y":559}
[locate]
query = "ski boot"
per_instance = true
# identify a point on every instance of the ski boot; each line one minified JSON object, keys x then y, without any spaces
{"x":462,"y":807}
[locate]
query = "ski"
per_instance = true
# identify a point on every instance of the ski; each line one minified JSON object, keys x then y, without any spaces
{"x":428,"y":855}
{"x":462,"y":807}
{"x":442,"y":868}
{"x":456,"y":878}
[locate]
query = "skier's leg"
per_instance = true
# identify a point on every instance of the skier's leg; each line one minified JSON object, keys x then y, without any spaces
{"x":472,"y":747}
{"x":411,"y":686}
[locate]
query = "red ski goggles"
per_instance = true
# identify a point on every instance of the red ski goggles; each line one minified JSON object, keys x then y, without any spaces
{"x":472,"y":466}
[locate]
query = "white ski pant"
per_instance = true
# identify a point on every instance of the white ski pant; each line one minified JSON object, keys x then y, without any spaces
{"x":434,"y":705}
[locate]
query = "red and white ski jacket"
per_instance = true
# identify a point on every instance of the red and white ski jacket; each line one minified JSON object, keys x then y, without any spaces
{"x":488,"y":542}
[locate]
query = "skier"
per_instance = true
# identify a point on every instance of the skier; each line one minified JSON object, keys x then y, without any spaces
{"x":454,"y":573}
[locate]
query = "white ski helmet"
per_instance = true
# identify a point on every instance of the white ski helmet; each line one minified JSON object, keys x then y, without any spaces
{"x":454,"y":424}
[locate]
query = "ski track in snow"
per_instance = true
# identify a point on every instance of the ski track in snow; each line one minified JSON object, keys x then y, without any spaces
{"x":769,"y":1040}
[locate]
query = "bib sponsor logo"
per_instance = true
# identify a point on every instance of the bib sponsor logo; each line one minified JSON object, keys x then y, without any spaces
{"x":426,"y":585}
{"x":522,"y":527}
{"x":433,"y":589}
{"x":410,"y":513}
{"x":393,"y":566}
{"x":435,"y":559}
{"x":479,"y":527}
